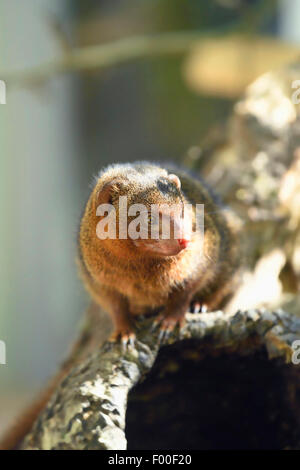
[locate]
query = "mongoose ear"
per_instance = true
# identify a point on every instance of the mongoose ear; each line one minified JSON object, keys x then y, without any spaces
{"x":175,"y":180}
{"x":105,"y":194}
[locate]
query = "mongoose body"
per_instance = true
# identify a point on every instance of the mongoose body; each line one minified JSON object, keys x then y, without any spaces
{"x":128,"y":277}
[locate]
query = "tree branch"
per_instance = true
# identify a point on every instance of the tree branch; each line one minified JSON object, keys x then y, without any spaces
{"x":107,"y":55}
{"x":129,"y":49}
{"x":88,"y":411}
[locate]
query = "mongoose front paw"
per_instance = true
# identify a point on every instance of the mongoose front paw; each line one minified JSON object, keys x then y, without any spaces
{"x":198,"y":307}
{"x":125,"y":335}
{"x":167,"y":323}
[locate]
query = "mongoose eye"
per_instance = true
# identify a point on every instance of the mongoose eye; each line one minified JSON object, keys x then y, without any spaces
{"x":175,"y":180}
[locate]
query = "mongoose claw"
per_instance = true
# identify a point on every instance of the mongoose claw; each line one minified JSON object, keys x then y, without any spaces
{"x":164,"y":335}
{"x":167,"y":325}
{"x":197,"y":307}
{"x":155,"y":325}
{"x":126,"y":337}
{"x":128,"y":340}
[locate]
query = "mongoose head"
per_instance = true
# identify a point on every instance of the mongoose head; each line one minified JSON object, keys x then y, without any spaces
{"x":140,"y":211}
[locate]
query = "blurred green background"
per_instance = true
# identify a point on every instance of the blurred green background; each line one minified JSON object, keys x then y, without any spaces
{"x":55,"y":135}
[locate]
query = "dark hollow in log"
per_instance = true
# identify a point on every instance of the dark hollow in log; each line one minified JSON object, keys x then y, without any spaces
{"x":225,"y":400}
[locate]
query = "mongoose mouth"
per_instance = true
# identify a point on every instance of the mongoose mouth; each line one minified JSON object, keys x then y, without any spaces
{"x":177,"y":239}
{"x":162,"y":247}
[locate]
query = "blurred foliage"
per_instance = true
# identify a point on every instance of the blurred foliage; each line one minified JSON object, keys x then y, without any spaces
{"x":173,"y":113}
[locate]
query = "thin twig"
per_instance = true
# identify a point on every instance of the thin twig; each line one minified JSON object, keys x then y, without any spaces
{"x":124,"y":50}
{"x":107,"y":55}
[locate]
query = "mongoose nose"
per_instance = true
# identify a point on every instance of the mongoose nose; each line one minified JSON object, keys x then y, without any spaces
{"x":183,"y":242}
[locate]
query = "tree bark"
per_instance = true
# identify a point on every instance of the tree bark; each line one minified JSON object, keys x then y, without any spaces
{"x":97,"y":406}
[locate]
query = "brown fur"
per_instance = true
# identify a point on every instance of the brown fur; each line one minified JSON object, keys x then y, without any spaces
{"x":126,"y":282}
